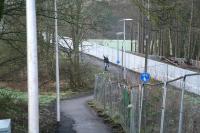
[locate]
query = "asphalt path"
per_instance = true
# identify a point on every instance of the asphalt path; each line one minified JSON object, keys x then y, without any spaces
{"x":115,"y":70}
{"x":77,"y":117}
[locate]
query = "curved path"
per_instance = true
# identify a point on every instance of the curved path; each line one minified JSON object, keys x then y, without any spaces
{"x":80,"y":118}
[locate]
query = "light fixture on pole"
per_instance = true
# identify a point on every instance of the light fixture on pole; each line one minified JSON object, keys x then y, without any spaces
{"x":118,"y":34}
{"x":118,"y":60}
{"x":124,"y":20}
{"x":57,"y":64}
{"x":32,"y":66}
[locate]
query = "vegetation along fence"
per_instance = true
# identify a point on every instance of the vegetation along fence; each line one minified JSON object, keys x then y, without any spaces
{"x":150,"y":108}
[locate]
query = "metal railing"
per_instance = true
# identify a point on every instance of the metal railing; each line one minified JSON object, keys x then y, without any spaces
{"x":150,"y":108}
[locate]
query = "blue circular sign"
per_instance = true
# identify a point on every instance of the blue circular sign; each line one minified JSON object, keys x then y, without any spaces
{"x":145,"y":77}
{"x":118,"y":61}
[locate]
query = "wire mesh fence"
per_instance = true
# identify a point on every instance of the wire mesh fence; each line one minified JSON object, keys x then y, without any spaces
{"x":150,"y":108}
{"x":114,"y":98}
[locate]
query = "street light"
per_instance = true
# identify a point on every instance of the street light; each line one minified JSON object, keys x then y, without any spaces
{"x":118,"y":34}
{"x":32,"y":66}
{"x":118,"y":60}
{"x":147,"y":39}
{"x":124,"y":20}
{"x":57,"y":64}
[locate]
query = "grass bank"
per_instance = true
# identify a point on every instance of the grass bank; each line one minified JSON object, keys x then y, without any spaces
{"x":13,"y":105}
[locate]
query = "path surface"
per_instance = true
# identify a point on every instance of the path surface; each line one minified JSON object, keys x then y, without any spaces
{"x":115,"y":70}
{"x":77,"y":117}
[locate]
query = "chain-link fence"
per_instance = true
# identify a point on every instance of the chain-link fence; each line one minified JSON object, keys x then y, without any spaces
{"x":114,"y":98}
{"x":150,"y":108}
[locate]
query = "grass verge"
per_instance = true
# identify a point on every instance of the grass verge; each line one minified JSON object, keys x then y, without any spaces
{"x":113,"y":123}
{"x":13,"y":105}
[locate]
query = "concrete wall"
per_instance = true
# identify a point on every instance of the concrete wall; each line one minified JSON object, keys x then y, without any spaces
{"x":158,"y":70}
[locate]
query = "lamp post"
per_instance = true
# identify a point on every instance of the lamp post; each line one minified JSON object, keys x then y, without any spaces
{"x":118,"y":34}
{"x":147,"y":38}
{"x":57,"y":64}
{"x":124,"y":20}
{"x":32,"y":66}
{"x":118,"y":60}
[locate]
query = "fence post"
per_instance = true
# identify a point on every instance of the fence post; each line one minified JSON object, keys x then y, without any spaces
{"x":163,"y":107}
{"x":133,"y":105}
{"x":95,"y":87}
{"x":110,"y":97}
{"x":181,"y":108}
{"x":104,"y":95}
{"x":141,"y":90}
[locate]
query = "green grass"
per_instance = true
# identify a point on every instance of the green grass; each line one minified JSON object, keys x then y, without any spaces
{"x":45,"y":98}
{"x":113,"y":43}
{"x":14,"y":105}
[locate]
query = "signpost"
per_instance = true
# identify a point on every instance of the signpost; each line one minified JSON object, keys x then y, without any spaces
{"x":145,"y":77}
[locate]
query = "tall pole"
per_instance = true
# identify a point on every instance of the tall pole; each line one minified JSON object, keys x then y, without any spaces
{"x":146,"y":39}
{"x":181,"y":107}
{"x":118,"y":55}
{"x":118,"y":61}
{"x":57,"y":64}
{"x":124,"y":48}
{"x":138,"y":37}
{"x":117,"y":49}
{"x":148,"y":10}
{"x":124,"y":72}
{"x":146,"y":54}
{"x":32,"y":63}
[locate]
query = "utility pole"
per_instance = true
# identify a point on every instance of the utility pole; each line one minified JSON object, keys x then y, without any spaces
{"x":146,"y":53}
{"x":132,"y":34}
{"x":147,"y":39}
{"x":118,"y":34}
{"x":32,"y":66}
{"x":124,"y":48}
{"x":138,"y":36}
{"x":118,"y":60}
{"x":57,"y":64}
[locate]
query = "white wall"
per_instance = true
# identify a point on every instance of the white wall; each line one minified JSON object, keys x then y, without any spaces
{"x":158,"y":70}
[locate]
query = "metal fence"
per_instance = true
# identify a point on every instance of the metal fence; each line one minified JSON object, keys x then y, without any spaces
{"x":150,"y":108}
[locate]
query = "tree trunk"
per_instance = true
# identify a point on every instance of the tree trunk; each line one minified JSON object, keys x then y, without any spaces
{"x":170,"y":43}
{"x":1,"y":8}
{"x":152,"y":47}
{"x":177,"y":42}
{"x":189,"y":33}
